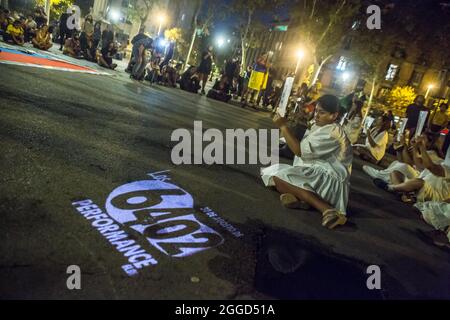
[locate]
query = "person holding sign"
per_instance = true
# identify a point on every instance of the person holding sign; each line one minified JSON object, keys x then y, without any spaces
{"x":376,"y":142}
{"x":433,"y":183}
{"x":320,"y":174}
{"x":413,"y":113}
{"x":352,"y":127}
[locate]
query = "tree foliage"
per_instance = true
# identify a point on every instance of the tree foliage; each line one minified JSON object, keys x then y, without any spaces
{"x":57,"y":7}
{"x":399,"y":98}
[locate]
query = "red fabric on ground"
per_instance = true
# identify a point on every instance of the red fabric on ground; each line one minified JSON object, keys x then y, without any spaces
{"x":25,"y":58}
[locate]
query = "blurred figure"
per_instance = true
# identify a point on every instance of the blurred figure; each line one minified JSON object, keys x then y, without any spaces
{"x":106,"y":56}
{"x":14,"y":33}
{"x":376,"y":142}
{"x":72,"y":46}
{"x":42,"y":40}
{"x":64,"y":31}
{"x":205,"y":67}
{"x":413,"y":113}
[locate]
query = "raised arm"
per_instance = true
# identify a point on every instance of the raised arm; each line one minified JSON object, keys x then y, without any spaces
{"x":292,"y":142}
{"x":435,"y":169}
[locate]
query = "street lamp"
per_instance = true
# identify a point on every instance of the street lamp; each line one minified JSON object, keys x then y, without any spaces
{"x":220,"y":41}
{"x":299,"y":55}
{"x":428,"y":90}
{"x":161,"y":20}
{"x":345,"y":76}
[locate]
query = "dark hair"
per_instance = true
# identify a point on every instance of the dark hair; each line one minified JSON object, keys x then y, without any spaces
{"x":385,"y":125}
{"x":329,"y":103}
{"x":359,"y":104}
{"x":443,"y":104}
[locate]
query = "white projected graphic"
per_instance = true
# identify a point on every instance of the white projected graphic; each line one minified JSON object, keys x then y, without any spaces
{"x":152,"y":217}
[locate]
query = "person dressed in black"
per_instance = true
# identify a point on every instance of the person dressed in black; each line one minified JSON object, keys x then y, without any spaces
{"x":139,"y":54}
{"x":204,"y":69}
{"x":189,"y":80}
{"x":107,"y":53}
{"x":413,"y":113}
{"x":107,"y":35}
{"x":40,"y":17}
{"x":97,"y":34}
{"x":64,"y":31}
{"x":141,"y":35}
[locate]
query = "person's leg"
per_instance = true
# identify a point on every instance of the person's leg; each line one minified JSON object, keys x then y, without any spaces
{"x":307,"y":196}
{"x":204,"y":78}
{"x":408,"y":186}
{"x":397,"y":177}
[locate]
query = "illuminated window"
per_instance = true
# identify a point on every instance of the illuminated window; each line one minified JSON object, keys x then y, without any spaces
{"x":416,"y":78}
{"x":391,"y":72}
{"x":342,"y":64}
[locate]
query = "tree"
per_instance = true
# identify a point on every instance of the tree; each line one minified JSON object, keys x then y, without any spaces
{"x":399,"y":98}
{"x":247,"y":10}
{"x":140,"y":9}
{"x":57,"y":7}
{"x":322,"y":27}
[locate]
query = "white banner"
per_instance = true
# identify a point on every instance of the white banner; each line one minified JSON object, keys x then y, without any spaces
{"x":285,"y":96}
{"x":343,"y":119}
{"x":367,"y":123}
{"x":402,"y":128}
{"x":421,"y":122}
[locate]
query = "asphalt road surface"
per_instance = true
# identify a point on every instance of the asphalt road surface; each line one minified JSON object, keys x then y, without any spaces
{"x":94,"y":139}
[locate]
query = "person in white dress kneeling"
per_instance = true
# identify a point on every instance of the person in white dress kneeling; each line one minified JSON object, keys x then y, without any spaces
{"x":320,"y":174}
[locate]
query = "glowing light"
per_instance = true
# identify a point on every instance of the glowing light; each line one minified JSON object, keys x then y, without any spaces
{"x":299,"y":54}
{"x":220,"y":41}
{"x":345,"y":76}
{"x":114,"y":15}
{"x":163,"y":42}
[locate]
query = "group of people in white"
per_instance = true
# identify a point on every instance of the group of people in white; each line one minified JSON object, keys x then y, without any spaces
{"x":320,"y":174}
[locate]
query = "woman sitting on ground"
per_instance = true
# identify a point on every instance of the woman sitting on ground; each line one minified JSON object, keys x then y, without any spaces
{"x":107,"y":53}
{"x":42,"y":39}
{"x":433,"y":183}
{"x":376,"y":142}
{"x":72,"y":46}
{"x":320,"y":174}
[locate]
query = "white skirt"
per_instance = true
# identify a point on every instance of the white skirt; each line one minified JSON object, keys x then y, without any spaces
{"x":311,"y":178}
{"x":385,"y":175}
{"x":434,"y":189}
{"x":435,"y":213}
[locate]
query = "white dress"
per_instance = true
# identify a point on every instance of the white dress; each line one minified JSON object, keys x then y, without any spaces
{"x":408,"y":171}
{"x":323,"y":168}
{"x":436,"y":214}
{"x":436,"y":188}
{"x":353,"y":128}
{"x":381,"y":141}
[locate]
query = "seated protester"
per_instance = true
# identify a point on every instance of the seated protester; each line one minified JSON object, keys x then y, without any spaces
{"x":190,"y":80}
{"x":352,"y":125}
{"x":30,"y":28}
{"x":42,"y":39}
{"x":105,"y":58}
{"x":408,"y":165}
{"x":433,"y":183}
{"x":376,"y":141}
{"x":14,"y":33}
{"x":72,"y":46}
{"x":220,"y":91}
{"x":5,"y":19}
{"x":169,"y":74}
{"x":436,"y":214}
{"x":90,"y":53}
{"x":153,"y":69}
{"x":320,"y":174}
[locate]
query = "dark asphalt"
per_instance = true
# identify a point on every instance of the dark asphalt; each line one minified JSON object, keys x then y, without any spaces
{"x":69,"y":136}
